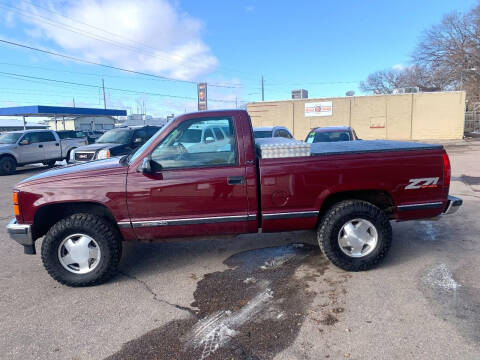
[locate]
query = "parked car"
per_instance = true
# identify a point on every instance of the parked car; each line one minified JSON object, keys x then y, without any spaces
{"x":331,"y":134}
{"x":163,"y":190}
{"x":271,"y":131}
{"x":115,"y":142}
{"x":18,"y":148}
{"x":204,"y":138}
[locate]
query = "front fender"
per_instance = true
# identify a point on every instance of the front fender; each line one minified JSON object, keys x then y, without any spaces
{"x":9,"y":153}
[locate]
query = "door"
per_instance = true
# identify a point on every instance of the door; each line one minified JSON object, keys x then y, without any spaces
{"x":30,"y":149}
{"x":50,"y":145}
{"x":190,"y":193}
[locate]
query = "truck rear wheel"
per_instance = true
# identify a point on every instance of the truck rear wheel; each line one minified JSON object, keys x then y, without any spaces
{"x":7,"y":165}
{"x":355,"y":235}
{"x":82,"y":250}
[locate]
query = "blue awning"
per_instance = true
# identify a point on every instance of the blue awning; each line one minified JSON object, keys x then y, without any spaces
{"x":45,"y":111}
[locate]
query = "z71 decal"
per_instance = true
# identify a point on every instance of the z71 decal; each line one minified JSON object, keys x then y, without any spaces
{"x":422,"y":183}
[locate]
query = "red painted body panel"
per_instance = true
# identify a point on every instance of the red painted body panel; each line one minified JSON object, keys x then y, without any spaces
{"x":304,"y":183}
{"x":287,"y":185}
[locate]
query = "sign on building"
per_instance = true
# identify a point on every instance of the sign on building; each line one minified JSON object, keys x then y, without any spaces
{"x":299,"y":94}
{"x":202,"y":96}
{"x":322,"y":108}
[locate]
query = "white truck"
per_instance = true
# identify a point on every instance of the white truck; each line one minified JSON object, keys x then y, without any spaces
{"x":18,"y":148}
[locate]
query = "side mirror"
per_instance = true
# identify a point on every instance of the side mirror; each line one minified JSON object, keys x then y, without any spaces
{"x":149,"y":166}
{"x":25,"y":142}
{"x":146,"y":167}
{"x":209,"y":140}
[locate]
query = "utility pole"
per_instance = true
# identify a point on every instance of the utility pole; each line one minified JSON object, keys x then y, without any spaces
{"x":73,"y":102}
{"x":104,"y":101}
{"x":236,"y":102}
{"x":263,"y":90}
{"x":144,"y":112}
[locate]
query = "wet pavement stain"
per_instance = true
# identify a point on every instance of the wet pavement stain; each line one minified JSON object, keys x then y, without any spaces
{"x":253,"y":310}
{"x":469,"y":180}
{"x":453,"y":301}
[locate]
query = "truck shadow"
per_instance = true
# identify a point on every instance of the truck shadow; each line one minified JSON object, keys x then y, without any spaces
{"x":144,"y":259}
{"x":31,"y":170}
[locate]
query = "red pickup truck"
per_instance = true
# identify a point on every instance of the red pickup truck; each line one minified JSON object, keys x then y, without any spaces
{"x":203,"y":174}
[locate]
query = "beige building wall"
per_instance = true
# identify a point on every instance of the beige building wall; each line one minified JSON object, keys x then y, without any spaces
{"x":421,"y":116}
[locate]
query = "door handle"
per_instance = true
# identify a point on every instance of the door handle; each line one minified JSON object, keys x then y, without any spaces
{"x":40,"y":146}
{"x":57,"y":144}
{"x":235,"y":180}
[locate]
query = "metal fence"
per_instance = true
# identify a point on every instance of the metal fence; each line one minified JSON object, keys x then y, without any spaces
{"x":472,"y":121}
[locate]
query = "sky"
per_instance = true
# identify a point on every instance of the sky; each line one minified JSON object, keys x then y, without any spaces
{"x":325,"y":47}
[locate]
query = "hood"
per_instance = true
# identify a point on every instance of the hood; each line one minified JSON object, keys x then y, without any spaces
{"x":96,"y":147}
{"x":7,"y":146}
{"x":77,"y":171}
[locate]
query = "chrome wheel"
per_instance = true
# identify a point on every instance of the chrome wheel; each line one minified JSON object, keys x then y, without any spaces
{"x":79,"y":253}
{"x":357,"y":238}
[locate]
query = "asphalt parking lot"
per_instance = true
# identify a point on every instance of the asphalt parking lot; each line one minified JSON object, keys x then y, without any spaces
{"x":262,"y":296}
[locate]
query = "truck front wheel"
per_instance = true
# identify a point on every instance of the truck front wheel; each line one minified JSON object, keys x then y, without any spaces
{"x":82,"y":250}
{"x":355,"y":235}
{"x":7,"y":165}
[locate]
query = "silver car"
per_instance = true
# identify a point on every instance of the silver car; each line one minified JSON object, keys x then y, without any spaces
{"x":18,"y":148}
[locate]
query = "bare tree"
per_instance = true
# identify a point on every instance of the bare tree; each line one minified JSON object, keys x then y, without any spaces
{"x":385,"y":81}
{"x":447,"y":57}
{"x":451,"y":50}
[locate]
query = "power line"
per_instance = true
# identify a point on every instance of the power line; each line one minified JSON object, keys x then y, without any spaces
{"x":108,"y":66}
{"x":109,"y":88}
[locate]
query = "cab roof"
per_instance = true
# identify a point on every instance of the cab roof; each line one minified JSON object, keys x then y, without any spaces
{"x":332,"y":128}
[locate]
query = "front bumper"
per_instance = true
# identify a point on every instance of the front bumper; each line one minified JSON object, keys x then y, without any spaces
{"x":22,"y":234}
{"x":453,"y":204}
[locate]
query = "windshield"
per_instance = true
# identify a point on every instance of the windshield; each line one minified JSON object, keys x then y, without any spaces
{"x":10,"y":138}
{"x":115,"y":137}
{"x":262,"y":134}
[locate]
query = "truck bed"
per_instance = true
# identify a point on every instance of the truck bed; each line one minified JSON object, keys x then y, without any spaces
{"x":273,"y":148}
{"x":367,"y":146}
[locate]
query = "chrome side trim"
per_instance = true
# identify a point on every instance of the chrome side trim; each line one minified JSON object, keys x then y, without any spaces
{"x":252,"y":216}
{"x":124,"y":224}
{"x":21,"y":233}
{"x":203,"y":220}
{"x":453,"y":204}
{"x":290,"y":215}
{"x":424,"y":206}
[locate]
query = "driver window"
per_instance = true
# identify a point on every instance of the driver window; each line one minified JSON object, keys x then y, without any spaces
{"x":32,"y":138}
{"x":192,"y":144}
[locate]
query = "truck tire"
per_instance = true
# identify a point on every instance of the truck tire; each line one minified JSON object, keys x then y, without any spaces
{"x":355,"y":235}
{"x":8,"y":165}
{"x":67,"y":159}
{"x":82,"y":250}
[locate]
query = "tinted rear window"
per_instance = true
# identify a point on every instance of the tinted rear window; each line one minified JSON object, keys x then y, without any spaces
{"x":46,"y":136}
{"x":262,"y":134}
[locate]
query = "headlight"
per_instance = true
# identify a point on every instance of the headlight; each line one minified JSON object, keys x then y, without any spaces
{"x":103,"y":154}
